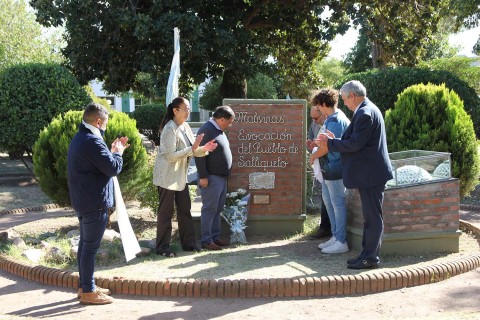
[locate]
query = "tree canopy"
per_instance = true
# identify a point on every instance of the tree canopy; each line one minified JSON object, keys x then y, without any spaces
{"x":117,"y":40}
{"x":30,"y":96}
{"x":466,"y":13}
{"x":21,"y":39}
{"x":398,"y":31}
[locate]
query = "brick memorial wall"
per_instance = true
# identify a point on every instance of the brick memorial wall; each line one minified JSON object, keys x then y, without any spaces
{"x":267,"y":140}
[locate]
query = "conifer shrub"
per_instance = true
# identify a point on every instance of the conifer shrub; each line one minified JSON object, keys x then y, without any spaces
{"x":51,"y":148}
{"x":384,"y":86}
{"x":148,"y":117}
{"x":30,"y":96}
{"x":432,"y":117}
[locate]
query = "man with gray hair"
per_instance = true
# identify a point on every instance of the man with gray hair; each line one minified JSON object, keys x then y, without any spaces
{"x":366,"y":166}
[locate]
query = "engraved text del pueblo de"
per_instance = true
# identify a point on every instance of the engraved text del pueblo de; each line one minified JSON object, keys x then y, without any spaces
{"x":254,"y":144}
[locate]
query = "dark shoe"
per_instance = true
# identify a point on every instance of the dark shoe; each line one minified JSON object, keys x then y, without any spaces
{"x":211,"y":246}
{"x":321,"y":233}
{"x":192,"y":248}
{"x":220,"y":243}
{"x":353,"y":260}
{"x":364,"y":264}
{"x":167,"y":253}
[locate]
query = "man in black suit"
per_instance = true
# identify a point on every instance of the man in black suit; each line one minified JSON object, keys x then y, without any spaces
{"x":366,"y":167}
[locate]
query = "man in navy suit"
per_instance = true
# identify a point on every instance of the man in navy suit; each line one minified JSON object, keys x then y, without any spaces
{"x":366,"y":167}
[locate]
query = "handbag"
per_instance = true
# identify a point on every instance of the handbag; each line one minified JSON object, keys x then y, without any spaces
{"x":330,"y":171}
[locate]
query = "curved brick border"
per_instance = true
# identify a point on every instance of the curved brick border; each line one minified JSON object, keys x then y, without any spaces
{"x":255,"y":288}
{"x":41,"y":208}
{"x":470,"y":207}
{"x":336,"y":285}
{"x":469,"y":227}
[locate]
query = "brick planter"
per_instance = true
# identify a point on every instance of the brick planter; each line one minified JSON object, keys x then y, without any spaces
{"x":418,"y":219}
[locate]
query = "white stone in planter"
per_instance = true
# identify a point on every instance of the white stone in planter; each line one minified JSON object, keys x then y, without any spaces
{"x":143,"y":252}
{"x":74,"y":241}
{"x":44,"y":244}
{"x":73,"y":251}
{"x":55,"y":251}
{"x":33,"y":255}
{"x":409,"y":174}
{"x":111,"y":235}
{"x":73,"y":233}
{"x":442,"y":170}
{"x":18,"y":241}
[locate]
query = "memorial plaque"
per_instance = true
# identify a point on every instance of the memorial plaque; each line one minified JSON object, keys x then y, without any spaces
{"x":261,"y":180}
{"x":261,"y":199}
{"x":267,"y":140}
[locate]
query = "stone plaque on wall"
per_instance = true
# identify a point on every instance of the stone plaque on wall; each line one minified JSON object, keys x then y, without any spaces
{"x":267,"y":140}
{"x":261,"y":180}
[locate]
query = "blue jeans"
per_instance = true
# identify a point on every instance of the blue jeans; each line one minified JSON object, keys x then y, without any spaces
{"x":213,"y":201}
{"x":92,"y":228}
{"x":333,"y":194}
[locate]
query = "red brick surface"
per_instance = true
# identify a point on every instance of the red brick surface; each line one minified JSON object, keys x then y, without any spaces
{"x":310,"y":287}
{"x":221,"y":288}
{"x":212,"y":289}
{"x":228,"y":288}
{"x":286,"y":142}
{"x":189,"y":287}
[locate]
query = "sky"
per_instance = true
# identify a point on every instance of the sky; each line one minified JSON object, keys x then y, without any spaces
{"x":466,"y":40}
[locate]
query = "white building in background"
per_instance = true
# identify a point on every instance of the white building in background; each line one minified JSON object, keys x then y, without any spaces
{"x":125,"y":103}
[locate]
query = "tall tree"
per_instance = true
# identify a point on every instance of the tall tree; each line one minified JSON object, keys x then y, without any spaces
{"x":359,"y":59}
{"x":21,"y":39}
{"x":398,"y":31}
{"x":116,"y":40}
{"x":466,"y":14}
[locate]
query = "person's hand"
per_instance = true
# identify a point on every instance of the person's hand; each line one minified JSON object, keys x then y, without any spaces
{"x":324,"y":136}
{"x":197,"y":142}
{"x":329,"y":134}
{"x":310,"y":144}
{"x":119,"y":145}
{"x":203,"y":183}
{"x":321,"y":142}
{"x":210,"y":145}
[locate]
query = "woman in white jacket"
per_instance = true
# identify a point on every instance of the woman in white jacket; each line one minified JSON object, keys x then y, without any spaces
{"x":177,"y":146}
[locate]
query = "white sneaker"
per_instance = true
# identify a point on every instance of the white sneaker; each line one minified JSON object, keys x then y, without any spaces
{"x":323,"y":245}
{"x":337,"y":247}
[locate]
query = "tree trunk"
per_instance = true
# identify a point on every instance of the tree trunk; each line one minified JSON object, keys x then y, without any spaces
{"x":378,"y":56}
{"x":234,"y":85}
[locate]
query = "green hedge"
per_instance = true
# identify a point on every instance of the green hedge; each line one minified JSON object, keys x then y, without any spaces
{"x":30,"y":96}
{"x":148,"y":117}
{"x":50,"y":155}
{"x":432,"y":117}
{"x":384,"y":86}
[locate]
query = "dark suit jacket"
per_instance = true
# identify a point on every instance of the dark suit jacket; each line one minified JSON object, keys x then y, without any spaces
{"x":363,"y":149}
{"x":91,"y":167}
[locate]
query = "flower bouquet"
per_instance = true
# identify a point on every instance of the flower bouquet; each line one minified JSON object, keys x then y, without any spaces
{"x":235,"y":214}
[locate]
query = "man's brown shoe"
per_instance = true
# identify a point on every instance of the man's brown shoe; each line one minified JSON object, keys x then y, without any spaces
{"x":95,"y":297}
{"x":211,"y":246}
{"x":220,"y":243}
{"x":102,"y":290}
